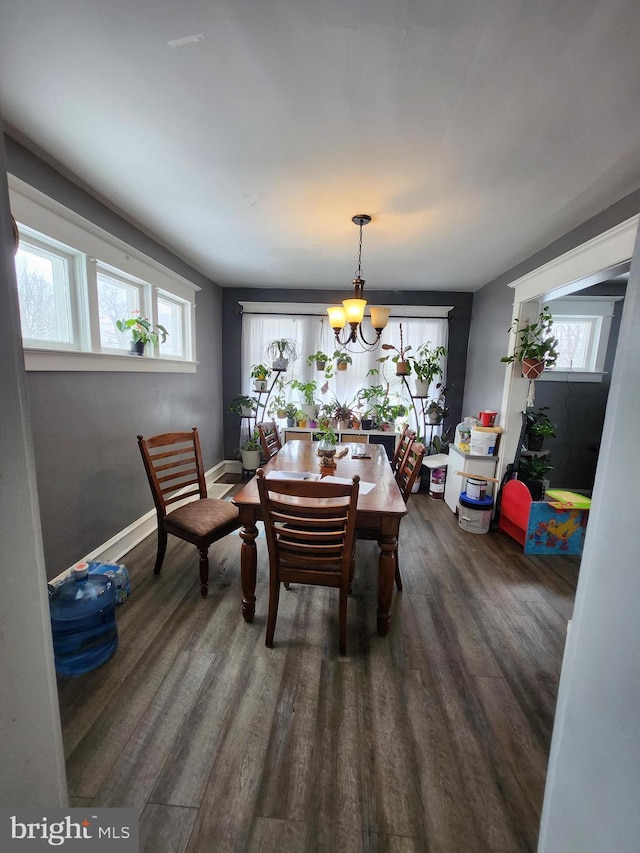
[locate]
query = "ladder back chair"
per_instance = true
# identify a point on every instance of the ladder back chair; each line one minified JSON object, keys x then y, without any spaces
{"x":173,"y":463}
{"x":406,"y":478}
{"x":269,"y":438}
{"x":310,"y":530}
{"x":407,"y":436}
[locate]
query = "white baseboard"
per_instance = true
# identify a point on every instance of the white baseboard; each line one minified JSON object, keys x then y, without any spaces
{"x":115,"y":548}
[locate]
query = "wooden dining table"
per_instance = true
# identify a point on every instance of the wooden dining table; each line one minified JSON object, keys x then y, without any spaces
{"x":379,"y":513}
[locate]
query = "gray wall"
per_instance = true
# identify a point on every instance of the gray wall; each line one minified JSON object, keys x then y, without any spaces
{"x":91,"y":483}
{"x":459,"y":321}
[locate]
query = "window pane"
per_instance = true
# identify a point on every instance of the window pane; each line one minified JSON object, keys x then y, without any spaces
{"x":43,"y":292}
{"x":573,"y":336}
{"x":117,"y":300}
{"x":170,"y":315}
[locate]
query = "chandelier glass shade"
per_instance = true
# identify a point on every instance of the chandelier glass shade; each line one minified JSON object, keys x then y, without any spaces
{"x":347,"y":318}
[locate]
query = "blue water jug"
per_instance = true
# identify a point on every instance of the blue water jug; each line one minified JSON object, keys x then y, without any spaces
{"x":83,"y":622}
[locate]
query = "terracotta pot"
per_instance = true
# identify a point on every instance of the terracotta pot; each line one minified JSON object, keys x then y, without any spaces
{"x":531,"y":368}
{"x":402,"y":368}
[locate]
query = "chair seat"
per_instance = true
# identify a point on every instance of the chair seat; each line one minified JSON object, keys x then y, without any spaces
{"x":202,"y":517}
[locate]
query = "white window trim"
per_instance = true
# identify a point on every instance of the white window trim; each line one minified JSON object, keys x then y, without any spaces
{"x":588,"y":306}
{"x":46,"y":216}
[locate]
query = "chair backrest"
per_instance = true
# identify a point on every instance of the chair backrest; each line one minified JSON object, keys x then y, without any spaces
{"x":407,"y":437}
{"x":173,"y":462}
{"x":269,"y":438}
{"x":410,"y":469}
{"x":310,"y":526}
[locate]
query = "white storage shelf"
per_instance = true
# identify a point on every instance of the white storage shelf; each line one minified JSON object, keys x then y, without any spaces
{"x":483,"y":466}
{"x":348,"y":436}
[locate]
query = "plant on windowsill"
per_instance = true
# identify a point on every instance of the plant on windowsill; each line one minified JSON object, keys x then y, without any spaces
{"x":142,"y":331}
{"x":536,"y":346}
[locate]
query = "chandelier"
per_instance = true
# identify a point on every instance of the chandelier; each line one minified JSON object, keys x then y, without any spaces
{"x":351,"y":311}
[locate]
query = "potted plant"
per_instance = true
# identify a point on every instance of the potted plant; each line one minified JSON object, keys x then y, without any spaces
{"x":436,"y":411}
{"x":539,"y":426}
{"x":532,"y":471}
{"x":327,"y":441}
{"x":426,"y":364}
{"x":260,"y":373}
{"x":322,"y":362}
{"x":291,"y":411}
{"x":243,"y":405}
{"x":342,"y":412}
{"x":250,"y":452}
{"x":342,"y":359}
{"x":536,"y":346}
{"x":142,"y":331}
{"x":402,"y":363}
{"x":282,"y":351}
{"x":307,"y":396}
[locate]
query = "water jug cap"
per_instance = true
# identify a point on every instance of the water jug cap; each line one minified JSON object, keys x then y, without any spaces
{"x":80,"y":571}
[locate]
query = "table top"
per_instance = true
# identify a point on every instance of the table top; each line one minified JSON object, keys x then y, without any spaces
{"x":384,"y":498}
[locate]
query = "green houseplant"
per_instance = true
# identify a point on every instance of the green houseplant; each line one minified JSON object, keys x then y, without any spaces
{"x":260,"y":373}
{"x":322,"y":361}
{"x":539,"y":426}
{"x":342,"y":359}
{"x":243,"y":405}
{"x":291,"y":411}
{"x":536,"y":346}
{"x":250,"y":452}
{"x":426,"y":364}
{"x":400,"y":359}
{"x":142,"y":331}
{"x":533,"y":470}
{"x":282,"y":351}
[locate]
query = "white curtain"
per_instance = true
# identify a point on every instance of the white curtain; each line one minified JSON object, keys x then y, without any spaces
{"x":313,"y":333}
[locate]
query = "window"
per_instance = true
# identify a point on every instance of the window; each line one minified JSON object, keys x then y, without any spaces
{"x":75,"y":281}
{"x":43,"y":273}
{"x":313,"y":332}
{"x":582,"y":326}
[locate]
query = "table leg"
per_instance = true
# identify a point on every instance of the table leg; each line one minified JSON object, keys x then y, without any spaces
{"x":248,"y":569}
{"x":386,"y":575}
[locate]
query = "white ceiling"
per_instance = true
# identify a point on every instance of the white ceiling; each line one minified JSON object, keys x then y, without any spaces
{"x":473,"y":131}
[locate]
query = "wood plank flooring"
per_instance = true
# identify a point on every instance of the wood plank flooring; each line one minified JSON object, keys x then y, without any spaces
{"x":434,"y":738}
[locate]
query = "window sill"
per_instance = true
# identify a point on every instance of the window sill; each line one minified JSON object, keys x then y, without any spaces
{"x":54,"y":360}
{"x":572,"y":376}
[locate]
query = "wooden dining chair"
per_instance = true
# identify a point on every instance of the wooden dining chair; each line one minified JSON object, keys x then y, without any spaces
{"x":269,"y":438}
{"x":407,"y":436}
{"x":173,"y":462}
{"x":310,"y":531}
{"x":410,"y":469}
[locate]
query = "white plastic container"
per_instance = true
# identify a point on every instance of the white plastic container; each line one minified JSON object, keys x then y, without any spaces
{"x":463,"y":434}
{"x":482,"y":442}
{"x":474,"y":516}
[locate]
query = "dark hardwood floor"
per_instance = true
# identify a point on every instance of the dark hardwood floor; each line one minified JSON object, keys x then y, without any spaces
{"x":434,"y":738}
